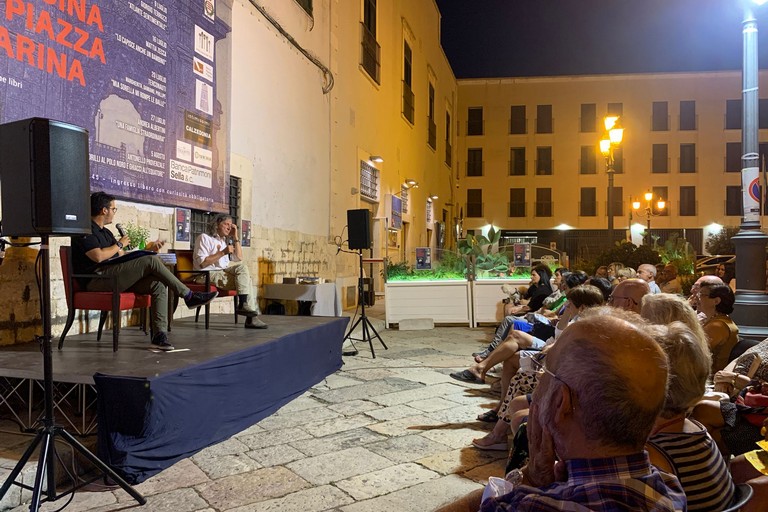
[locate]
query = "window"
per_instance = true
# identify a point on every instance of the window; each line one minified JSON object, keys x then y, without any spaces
{"x":733,"y":157}
{"x":588,"y":162}
{"x":431,"y":125}
{"x":474,"y":202}
{"x":663,"y":194}
{"x":306,"y":5}
{"x":544,"y":121}
{"x":588,"y":118}
{"x":687,"y":201}
{"x":660,"y":121}
{"x":200,"y":219}
{"x":235,"y":186}
{"x":475,"y":121}
{"x":733,"y":114}
{"x":516,"y":162}
{"x":371,"y":53}
{"x":517,"y":121}
{"x":448,"y":147}
{"x":475,"y":162}
{"x":544,"y":160}
{"x":687,"y":158}
{"x":687,"y":115}
{"x":517,"y":202}
{"x":369,"y":181}
{"x":618,"y":160}
{"x":733,"y":199}
{"x":660,"y":163}
{"x":543,"y":202}
{"x":588,"y":202}
{"x":408,"y":98}
{"x":762,"y":114}
{"x":615,"y":109}
{"x":618,"y":202}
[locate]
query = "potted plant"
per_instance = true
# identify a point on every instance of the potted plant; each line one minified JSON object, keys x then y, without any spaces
{"x":138,"y":235}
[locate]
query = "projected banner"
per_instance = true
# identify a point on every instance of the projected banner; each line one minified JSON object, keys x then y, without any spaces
{"x":147,"y":78}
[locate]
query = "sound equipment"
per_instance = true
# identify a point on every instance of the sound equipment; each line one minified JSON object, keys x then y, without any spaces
{"x":359,"y":228}
{"x":44,"y":178}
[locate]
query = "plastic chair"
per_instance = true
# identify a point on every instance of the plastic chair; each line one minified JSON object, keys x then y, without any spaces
{"x":105,"y":302}
{"x":740,"y":498}
{"x":187,"y":274}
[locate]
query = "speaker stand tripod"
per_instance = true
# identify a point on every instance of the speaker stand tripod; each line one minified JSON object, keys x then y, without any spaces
{"x":367,"y":327}
{"x":45,"y":477}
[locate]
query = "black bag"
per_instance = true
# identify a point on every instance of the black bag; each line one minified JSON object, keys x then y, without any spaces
{"x":542,"y":331}
{"x":275,"y":308}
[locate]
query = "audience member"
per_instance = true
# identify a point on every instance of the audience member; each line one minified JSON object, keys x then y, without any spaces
{"x":625,"y":273}
{"x":693,"y":299}
{"x":213,"y":252}
{"x":629,"y":294}
{"x":647,"y":273}
{"x":665,"y":308}
{"x":603,"y":285}
{"x":96,"y":252}
{"x":590,"y":417}
{"x":716,"y":303}
{"x":602,"y":271}
{"x":671,"y":281}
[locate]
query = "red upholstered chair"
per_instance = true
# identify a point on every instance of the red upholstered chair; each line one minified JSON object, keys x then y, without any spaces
{"x":186,"y":273}
{"x":105,"y":302}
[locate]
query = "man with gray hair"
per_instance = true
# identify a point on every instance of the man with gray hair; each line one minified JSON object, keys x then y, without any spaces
{"x":603,"y":385}
{"x":213,"y":252}
{"x":647,"y":273}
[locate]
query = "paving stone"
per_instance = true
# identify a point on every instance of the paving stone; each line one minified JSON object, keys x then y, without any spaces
{"x":407,"y":448}
{"x":432,"y":404}
{"x":410,"y":395}
{"x":332,"y":467}
{"x":284,"y":421}
{"x":404,"y":426}
{"x":337,"y":380}
{"x":354,"y":407}
{"x":226,"y":465}
{"x":82,"y":501}
{"x":273,"y":437}
{"x":341,"y":424}
{"x":337,"y":442}
{"x":392,"y":413}
{"x":479,"y":397}
{"x":368,"y":374}
{"x":310,"y":500}
{"x":422,"y":497}
{"x":480,"y":474}
{"x":385,"y":481}
{"x":458,"y":415}
{"x":457,"y":436}
{"x":423,"y":375}
{"x":275,"y":455}
{"x":460,"y":461}
{"x":182,"y":474}
{"x":230,"y":446}
{"x":259,"y":485}
{"x":180,"y":500}
{"x":366,"y":390}
{"x":302,"y":403}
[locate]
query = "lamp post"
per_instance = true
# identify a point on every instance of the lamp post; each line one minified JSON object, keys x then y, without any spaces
{"x":751,"y":311}
{"x":660,"y":204}
{"x":612,"y":137}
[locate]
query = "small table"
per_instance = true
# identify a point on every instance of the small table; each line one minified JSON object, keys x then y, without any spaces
{"x":326,"y":301}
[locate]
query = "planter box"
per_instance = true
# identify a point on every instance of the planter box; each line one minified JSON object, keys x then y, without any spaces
{"x":445,"y":302}
{"x":486,"y":299}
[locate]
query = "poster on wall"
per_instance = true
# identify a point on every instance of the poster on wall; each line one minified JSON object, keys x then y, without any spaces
{"x":246,"y":233}
{"x":522,"y":254}
{"x":148,"y":80}
{"x":423,"y":258}
{"x":183,"y":216}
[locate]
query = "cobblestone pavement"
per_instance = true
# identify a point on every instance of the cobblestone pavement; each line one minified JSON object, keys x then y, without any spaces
{"x":385,"y":434}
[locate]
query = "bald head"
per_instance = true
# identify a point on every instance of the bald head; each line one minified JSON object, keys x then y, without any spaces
{"x":646,"y":272}
{"x":693,"y":300}
{"x":629,"y":294}
{"x":617,"y":372}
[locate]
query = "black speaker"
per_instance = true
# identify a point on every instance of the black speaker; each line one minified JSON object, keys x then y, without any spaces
{"x":44,"y":178}
{"x":359,"y":226}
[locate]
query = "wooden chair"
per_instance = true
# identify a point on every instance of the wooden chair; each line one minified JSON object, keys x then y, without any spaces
{"x":105,"y":302}
{"x":187,"y":274}
{"x":740,"y":498}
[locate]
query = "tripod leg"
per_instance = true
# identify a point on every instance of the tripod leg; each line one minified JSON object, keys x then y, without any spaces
{"x":20,"y":465}
{"x":108,"y":471}
{"x":43,"y":461}
{"x":351,"y":329}
{"x":377,"y":335}
{"x":367,"y":336}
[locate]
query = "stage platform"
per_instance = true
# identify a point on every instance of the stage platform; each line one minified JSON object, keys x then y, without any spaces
{"x":157,"y":408}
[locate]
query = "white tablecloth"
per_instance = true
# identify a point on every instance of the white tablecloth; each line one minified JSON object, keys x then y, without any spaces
{"x":325,"y":298}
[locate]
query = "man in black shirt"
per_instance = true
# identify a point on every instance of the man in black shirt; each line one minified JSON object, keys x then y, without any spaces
{"x":144,"y":275}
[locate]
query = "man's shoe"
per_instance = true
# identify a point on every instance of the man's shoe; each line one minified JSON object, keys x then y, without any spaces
{"x":255,"y":323}
{"x":198,"y":299}
{"x":246,"y":312}
{"x":160,"y":342}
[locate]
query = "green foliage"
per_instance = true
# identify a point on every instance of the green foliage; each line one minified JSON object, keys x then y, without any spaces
{"x":679,"y":252}
{"x":686,"y":282}
{"x":401,"y":271}
{"x":627,"y":253}
{"x":138,"y":235}
{"x":721,"y":243}
{"x":482,"y":253}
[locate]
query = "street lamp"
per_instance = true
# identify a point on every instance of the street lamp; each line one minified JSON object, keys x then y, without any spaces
{"x":751,"y":312}
{"x":660,"y":204}
{"x":612,"y":137}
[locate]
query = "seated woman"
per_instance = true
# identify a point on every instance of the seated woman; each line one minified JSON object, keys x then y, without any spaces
{"x":680,"y":445}
{"x":716,"y":303}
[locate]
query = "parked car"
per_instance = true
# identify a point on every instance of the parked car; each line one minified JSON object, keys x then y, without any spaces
{"x":708,"y":264}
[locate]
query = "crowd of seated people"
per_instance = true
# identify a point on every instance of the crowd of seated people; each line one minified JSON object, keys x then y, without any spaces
{"x":700,"y":442}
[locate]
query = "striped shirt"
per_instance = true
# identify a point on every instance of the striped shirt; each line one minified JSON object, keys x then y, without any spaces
{"x":608,"y":484}
{"x":699,"y":467}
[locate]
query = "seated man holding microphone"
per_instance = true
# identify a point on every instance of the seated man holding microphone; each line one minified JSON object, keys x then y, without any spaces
{"x":213,"y":252}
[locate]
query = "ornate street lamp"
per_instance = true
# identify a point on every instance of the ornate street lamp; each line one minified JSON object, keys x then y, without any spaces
{"x":612,"y":137}
{"x":649,"y":212}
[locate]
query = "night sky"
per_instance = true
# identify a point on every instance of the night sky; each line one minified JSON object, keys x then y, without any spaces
{"x":501,"y":38}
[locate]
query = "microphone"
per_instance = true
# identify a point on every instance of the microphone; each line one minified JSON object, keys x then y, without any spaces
{"x":121,"y":230}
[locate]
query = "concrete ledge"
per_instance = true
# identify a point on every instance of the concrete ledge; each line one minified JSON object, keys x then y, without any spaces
{"x":416,"y":324}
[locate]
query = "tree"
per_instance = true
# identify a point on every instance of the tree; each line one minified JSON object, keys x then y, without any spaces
{"x":721,"y":243}
{"x":629,"y":254}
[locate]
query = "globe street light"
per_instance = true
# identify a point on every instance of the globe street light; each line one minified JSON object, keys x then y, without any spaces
{"x":612,"y":137}
{"x":660,"y":204}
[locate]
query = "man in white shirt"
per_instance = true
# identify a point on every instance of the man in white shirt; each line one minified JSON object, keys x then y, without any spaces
{"x":213,"y":252}
{"x":647,"y":273}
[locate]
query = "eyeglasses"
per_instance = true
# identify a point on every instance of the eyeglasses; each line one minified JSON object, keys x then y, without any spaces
{"x":114,"y":209}
{"x":538,"y":365}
